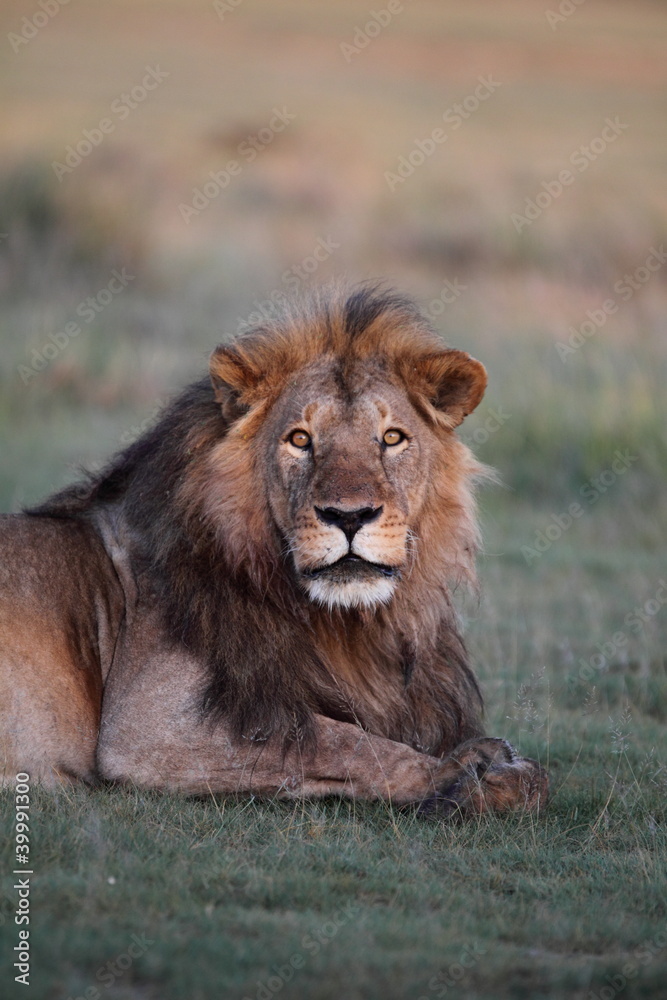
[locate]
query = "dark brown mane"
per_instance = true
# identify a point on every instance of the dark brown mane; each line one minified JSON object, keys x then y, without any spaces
{"x":217,"y":562}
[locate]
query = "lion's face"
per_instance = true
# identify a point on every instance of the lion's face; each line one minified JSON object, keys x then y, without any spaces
{"x":337,"y":433}
{"x":349,"y":466}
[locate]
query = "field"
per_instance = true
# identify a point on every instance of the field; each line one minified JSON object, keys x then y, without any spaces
{"x":558,"y":286}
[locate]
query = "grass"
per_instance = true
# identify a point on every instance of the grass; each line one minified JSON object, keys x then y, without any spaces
{"x":569,"y":642}
{"x":375,"y":903}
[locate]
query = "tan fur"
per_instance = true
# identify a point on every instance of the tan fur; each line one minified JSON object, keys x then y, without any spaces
{"x":259,"y":616}
{"x":58,"y":621}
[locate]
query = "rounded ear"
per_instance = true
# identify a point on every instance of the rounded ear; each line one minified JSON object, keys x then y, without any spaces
{"x":233,"y":379}
{"x":449,"y":382}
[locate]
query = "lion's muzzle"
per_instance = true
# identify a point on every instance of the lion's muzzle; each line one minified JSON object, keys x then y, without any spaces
{"x":349,"y":521}
{"x":351,"y":573}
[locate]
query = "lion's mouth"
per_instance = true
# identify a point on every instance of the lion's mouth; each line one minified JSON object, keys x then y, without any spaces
{"x":351,"y":566}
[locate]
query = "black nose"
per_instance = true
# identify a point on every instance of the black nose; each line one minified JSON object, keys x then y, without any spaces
{"x":349,"y":521}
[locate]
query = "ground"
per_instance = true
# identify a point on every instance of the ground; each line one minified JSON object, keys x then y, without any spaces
{"x":567,"y":310}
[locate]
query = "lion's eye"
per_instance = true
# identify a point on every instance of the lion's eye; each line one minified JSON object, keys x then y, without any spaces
{"x":392,"y":437}
{"x":300,"y":439}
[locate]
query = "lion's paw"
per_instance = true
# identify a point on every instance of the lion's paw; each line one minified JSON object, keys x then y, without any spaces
{"x":487,"y":774}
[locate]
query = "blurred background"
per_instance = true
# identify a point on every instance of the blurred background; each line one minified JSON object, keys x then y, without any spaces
{"x":169,"y":170}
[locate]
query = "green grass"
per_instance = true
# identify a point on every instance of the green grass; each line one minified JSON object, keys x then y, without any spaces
{"x":375,"y":903}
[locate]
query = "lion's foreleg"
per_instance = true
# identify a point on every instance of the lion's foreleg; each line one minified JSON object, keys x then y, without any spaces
{"x":197,"y":757}
{"x":154,"y":735}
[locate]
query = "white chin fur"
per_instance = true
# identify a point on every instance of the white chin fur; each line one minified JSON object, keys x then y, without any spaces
{"x":353,"y":594}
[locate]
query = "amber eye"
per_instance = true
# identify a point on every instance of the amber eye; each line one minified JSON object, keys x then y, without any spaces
{"x":392,"y":437}
{"x":300,"y":439}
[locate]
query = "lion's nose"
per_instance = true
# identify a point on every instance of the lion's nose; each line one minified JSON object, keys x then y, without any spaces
{"x":349,"y":521}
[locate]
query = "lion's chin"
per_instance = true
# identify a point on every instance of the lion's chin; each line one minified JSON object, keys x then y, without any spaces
{"x":354,"y":594}
{"x":351,"y":583}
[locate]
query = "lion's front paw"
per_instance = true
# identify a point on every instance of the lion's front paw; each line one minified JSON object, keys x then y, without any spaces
{"x":486,"y":774}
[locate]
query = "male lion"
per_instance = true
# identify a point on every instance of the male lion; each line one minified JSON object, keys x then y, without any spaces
{"x":255,"y":596}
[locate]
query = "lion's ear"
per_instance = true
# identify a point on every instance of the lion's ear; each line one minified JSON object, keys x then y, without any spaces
{"x":451,"y":381}
{"x":233,"y":379}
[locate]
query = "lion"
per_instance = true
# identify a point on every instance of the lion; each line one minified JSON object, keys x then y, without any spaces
{"x":256,"y":596}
